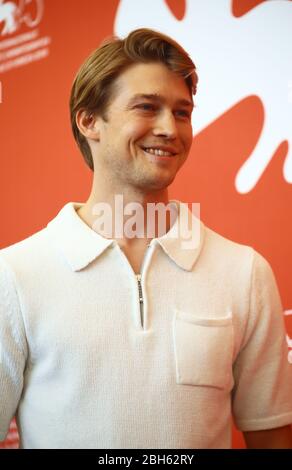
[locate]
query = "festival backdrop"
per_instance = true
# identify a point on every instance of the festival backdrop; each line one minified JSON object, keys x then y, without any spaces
{"x":240,"y":165}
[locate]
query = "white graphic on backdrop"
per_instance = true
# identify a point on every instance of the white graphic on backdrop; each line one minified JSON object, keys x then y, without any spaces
{"x":235,"y":58}
{"x":27,"y":47}
{"x":13,"y":15}
{"x":8,"y":17}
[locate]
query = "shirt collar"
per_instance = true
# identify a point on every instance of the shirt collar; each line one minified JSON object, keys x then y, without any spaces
{"x":80,"y":245}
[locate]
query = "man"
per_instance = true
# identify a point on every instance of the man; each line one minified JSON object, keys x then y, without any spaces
{"x":113,"y":341}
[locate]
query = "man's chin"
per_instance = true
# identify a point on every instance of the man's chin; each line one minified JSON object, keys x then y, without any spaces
{"x":156,"y":184}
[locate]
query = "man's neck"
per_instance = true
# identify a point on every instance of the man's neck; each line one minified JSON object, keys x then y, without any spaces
{"x":123,"y":208}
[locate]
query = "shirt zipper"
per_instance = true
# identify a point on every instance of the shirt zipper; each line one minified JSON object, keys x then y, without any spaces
{"x":140,"y":291}
{"x":141,"y":300}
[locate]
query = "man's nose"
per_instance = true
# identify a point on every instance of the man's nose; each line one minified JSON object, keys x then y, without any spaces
{"x":165,"y":125}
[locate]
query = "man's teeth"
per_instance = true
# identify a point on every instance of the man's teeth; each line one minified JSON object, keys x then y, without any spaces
{"x":157,"y":152}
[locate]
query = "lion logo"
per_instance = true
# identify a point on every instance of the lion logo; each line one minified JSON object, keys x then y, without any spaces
{"x":13,"y":15}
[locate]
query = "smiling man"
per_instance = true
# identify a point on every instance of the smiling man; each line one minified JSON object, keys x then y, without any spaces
{"x":115,"y":341}
{"x":140,"y":145}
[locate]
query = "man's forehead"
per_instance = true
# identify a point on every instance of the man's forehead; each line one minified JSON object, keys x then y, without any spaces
{"x":159,"y":98}
{"x":143,"y":81}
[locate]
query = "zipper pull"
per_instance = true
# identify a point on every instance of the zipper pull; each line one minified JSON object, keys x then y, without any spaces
{"x":141,"y":301}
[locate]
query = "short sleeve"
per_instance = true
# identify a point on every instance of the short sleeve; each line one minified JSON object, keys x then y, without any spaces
{"x":262,"y":394}
{"x":13,"y":350}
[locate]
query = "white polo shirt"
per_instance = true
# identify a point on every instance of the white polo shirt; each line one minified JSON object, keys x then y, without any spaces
{"x":83,"y":367}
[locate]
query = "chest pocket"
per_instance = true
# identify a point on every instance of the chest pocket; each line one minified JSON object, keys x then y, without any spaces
{"x":203,"y":349}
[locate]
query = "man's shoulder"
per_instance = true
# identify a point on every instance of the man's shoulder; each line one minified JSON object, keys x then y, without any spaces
{"x":225,"y":247}
{"x":30,"y":242}
{"x":233,"y":256}
{"x":27,"y":251}
{"x":34,"y":248}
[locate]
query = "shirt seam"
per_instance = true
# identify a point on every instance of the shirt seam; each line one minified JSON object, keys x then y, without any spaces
{"x":11,"y":275}
{"x":244,"y":422}
{"x":244,"y":338}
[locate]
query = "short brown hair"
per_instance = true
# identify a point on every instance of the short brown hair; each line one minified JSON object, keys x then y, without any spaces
{"x":92,"y":88}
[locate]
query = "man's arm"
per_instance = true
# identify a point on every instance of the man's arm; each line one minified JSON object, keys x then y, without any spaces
{"x":13,"y":348}
{"x":277,"y":438}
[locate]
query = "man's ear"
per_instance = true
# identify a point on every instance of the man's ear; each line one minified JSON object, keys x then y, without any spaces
{"x":88,"y":124}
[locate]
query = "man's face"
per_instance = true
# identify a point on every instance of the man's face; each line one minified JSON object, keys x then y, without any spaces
{"x":138,"y":122}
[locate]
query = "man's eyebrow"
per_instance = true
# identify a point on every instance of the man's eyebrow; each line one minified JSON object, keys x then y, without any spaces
{"x":158,"y":98}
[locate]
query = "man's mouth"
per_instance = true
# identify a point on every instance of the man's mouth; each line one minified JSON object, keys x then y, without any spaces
{"x":158,"y":152}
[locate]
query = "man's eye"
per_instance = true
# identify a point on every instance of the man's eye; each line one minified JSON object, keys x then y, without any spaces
{"x":146,"y":106}
{"x":184,"y":113}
